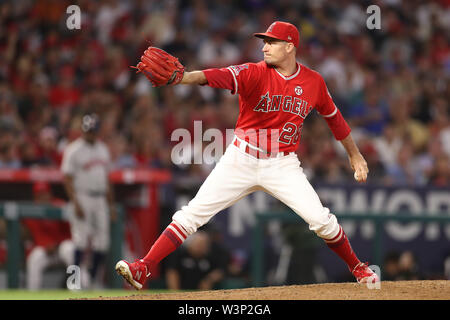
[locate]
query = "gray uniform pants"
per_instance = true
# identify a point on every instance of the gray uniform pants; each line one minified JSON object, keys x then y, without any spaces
{"x":94,"y":227}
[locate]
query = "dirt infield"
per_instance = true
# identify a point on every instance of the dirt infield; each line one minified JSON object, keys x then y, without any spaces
{"x":399,"y":290}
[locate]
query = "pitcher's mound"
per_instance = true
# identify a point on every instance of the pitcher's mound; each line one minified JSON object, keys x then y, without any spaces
{"x":388,"y":290}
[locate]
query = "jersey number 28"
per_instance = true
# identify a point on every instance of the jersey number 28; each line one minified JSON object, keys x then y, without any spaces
{"x":290,"y":133}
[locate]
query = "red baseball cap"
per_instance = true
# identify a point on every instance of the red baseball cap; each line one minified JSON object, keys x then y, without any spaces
{"x":282,"y":31}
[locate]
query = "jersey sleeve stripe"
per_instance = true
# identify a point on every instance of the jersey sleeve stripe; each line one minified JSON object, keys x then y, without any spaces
{"x":331,"y":114}
{"x":235,"y":81}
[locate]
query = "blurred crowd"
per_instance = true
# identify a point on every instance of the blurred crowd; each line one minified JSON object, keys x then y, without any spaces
{"x":391,"y":84}
{"x":400,"y":266}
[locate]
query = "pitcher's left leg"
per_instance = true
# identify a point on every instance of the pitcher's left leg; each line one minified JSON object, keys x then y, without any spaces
{"x":286,"y":181}
{"x":289,"y":184}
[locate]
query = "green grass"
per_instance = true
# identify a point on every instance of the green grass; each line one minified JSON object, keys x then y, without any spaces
{"x":67,"y":294}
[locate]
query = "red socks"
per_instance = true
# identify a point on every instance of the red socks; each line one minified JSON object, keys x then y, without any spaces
{"x":174,"y":235}
{"x":171,"y":238}
{"x":341,"y":246}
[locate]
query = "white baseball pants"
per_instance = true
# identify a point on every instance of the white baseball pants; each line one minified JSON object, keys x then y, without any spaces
{"x":238,"y":174}
{"x":38,"y":260}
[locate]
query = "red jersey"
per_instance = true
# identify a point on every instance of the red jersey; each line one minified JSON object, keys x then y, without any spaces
{"x":272,"y":107}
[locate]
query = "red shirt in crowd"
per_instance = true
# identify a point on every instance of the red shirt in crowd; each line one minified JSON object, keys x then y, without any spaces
{"x":48,"y":233}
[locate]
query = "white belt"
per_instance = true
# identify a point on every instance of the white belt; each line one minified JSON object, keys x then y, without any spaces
{"x":256,"y":152}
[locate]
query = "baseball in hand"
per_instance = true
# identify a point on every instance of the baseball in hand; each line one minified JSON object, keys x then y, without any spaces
{"x":359,"y":176}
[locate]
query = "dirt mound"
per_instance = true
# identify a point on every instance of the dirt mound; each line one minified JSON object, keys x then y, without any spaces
{"x":388,"y":290}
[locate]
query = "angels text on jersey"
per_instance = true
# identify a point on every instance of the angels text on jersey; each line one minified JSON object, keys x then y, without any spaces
{"x":288,"y":104}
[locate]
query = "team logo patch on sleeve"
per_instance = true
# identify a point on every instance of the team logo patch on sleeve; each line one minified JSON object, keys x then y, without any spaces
{"x":239,"y":68}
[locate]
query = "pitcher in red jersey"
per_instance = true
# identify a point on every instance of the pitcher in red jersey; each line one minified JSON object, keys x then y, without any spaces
{"x":275,"y":96}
